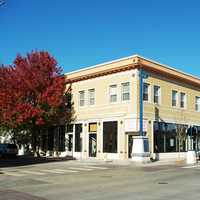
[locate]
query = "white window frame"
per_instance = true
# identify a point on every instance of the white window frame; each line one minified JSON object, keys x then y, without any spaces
{"x":90,"y":97}
{"x":125,"y":92}
{"x":79,"y":98}
{"x":197,"y":104}
{"x":159,"y":94}
{"x":176,"y":92}
{"x":115,"y":94}
{"x":148,"y":90}
{"x":185,"y":100}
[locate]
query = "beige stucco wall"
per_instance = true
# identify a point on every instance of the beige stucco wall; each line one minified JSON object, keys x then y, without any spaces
{"x":103,"y":108}
{"x":166,"y":111}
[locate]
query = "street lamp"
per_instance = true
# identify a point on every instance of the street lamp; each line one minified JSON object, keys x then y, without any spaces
{"x":140,"y":149}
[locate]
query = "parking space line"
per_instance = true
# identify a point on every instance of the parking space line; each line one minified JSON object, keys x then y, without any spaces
{"x":53,"y":171}
{"x":33,"y":172}
{"x":66,"y":170}
{"x":80,"y":168}
{"x":95,"y":167}
{"x":14,"y":174}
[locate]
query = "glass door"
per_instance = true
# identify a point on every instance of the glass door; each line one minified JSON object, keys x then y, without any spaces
{"x":92,"y":145}
{"x":130,"y":145}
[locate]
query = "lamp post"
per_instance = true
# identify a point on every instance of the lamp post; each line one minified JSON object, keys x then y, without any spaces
{"x":191,"y":154}
{"x":140,"y":149}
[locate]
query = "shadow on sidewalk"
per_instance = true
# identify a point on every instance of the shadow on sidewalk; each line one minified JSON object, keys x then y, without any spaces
{"x":29,"y":160}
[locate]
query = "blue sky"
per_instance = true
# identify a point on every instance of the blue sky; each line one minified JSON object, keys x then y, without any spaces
{"x":81,"y":33}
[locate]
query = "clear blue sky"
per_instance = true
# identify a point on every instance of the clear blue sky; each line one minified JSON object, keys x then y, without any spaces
{"x":81,"y":33}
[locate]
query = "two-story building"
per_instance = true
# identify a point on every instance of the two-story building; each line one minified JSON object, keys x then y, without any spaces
{"x":106,"y":103}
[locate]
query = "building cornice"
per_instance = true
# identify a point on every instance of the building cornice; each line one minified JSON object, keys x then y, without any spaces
{"x":101,"y":73}
{"x":134,"y":62}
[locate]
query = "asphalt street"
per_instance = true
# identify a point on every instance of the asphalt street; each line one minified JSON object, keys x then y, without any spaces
{"x":86,"y":180}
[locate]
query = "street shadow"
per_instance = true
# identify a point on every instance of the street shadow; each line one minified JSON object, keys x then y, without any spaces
{"x":27,"y":160}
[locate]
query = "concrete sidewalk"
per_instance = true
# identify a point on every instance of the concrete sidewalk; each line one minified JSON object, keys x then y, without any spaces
{"x":30,"y":160}
{"x":130,"y":162}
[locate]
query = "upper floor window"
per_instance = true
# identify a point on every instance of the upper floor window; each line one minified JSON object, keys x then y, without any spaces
{"x":197,"y":104}
{"x":91,"y":96}
{"x":156,"y":94}
{"x":113,"y":93}
{"x":182,"y":100}
{"x":174,"y":98}
{"x":125,"y":91}
{"x":146,"y":92}
{"x":81,"y":98}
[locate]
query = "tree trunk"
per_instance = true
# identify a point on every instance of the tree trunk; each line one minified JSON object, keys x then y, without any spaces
{"x":35,"y":147}
{"x":56,"y":142}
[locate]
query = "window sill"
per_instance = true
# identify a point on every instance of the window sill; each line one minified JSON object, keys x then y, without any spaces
{"x":179,"y":108}
{"x":175,"y":107}
{"x":91,"y":106}
{"x":183,"y":108}
{"x":81,"y":107}
{"x":125,"y":101}
{"x":146,"y":101}
{"x":112,"y":103}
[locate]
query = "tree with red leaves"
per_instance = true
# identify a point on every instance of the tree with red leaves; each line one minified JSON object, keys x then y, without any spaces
{"x":33,"y":95}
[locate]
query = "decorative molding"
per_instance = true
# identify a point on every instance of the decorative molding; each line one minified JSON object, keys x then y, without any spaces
{"x":101,"y":73}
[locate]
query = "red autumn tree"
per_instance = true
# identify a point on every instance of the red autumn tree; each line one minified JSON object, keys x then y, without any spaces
{"x":33,"y":94}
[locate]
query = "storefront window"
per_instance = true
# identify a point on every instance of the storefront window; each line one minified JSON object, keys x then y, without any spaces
{"x":61,"y":138}
{"x":196,"y":138}
{"x":70,"y":142}
{"x":70,"y":128}
{"x":169,"y":137}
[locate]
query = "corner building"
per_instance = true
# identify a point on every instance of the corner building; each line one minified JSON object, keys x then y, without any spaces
{"x":106,"y":104}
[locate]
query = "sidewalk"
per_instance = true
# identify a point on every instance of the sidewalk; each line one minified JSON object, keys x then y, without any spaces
{"x":30,"y":160}
{"x":130,"y":162}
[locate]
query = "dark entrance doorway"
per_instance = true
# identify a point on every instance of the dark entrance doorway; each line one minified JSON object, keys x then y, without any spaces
{"x":130,"y":145}
{"x":92,"y":145}
{"x":70,"y":142}
{"x":110,"y":132}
